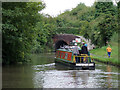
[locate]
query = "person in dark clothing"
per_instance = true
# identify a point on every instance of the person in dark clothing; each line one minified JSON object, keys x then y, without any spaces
{"x":84,"y":50}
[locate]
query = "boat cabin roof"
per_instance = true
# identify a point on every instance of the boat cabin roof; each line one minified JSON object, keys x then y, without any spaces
{"x":64,"y":50}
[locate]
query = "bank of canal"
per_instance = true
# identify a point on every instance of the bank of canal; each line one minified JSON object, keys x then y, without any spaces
{"x":100,"y":54}
{"x":43,"y":73}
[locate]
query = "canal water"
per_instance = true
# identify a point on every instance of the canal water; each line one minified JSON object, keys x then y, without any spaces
{"x":43,"y":73}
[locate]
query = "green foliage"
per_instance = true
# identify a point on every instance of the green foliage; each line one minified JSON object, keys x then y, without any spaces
{"x":46,"y":28}
{"x":104,"y":7}
{"x":24,"y":30}
{"x":97,"y":22}
{"x":75,"y":21}
{"x":118,"y":9}
{"x":105,"y":29}
{"x":68,"y":30}
{"x":85,"y":28}
{"x":102,"y":54}
{"x":114,"y":37}
{"x":78,"y":9}
{"x":18,"y":29}
{"x":107,"y":25}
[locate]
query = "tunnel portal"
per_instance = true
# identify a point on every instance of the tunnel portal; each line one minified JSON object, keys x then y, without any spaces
{"x":59,"y":44}
{"x":63,"y":39}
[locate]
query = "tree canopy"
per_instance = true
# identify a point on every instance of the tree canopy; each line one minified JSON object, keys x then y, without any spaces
{"x":97,"y":22}
{"x":18,"y":29}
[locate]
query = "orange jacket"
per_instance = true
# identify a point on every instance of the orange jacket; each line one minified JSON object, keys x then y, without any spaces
{"x":109,"y":49}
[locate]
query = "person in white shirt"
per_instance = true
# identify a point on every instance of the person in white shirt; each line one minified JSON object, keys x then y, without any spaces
{"x":76,"y":52}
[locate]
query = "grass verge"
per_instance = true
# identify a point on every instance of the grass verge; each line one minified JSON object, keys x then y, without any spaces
{"x":100,"y":54}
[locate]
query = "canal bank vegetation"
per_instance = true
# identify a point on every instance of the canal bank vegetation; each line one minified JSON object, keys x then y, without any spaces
{"x":26,"y":31}
{"x":100,"y":54}
{"x":100,"y":23}
{"x":97,"y":22}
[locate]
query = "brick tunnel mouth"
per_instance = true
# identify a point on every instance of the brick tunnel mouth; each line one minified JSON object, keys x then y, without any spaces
{"x":59,"y":44}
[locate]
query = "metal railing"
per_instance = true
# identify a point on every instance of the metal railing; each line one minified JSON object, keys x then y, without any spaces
{"x":83,"y":58}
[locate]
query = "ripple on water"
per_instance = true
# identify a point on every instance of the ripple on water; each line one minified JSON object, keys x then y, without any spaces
{"x":53,"y":78}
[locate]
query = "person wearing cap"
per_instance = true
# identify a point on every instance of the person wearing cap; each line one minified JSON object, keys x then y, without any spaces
{"x":76,"y":52}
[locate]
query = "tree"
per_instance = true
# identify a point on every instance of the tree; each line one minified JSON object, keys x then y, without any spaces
{"x":107,"y":28}
{"x":46,"y":29}
{"x":18,"y":33}
{"x":104,"y":7}
{"x":118,"y":9}
{"x":108,"y":24}
{"x":97,"y":22}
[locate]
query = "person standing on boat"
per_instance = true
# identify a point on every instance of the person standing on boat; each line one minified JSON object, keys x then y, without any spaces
{"x":109,"y":51}
{"x":84,"y":50}
{"x":76,"y":52}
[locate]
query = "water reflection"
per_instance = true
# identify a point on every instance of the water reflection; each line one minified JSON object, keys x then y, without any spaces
{"x":74,"y":78}
{"x":44,"y":73}
{"x":17,"y":76}
{"x":108,"y":68}
{"x":68,"y":78}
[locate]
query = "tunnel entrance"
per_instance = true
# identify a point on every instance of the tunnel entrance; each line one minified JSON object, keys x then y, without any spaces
{"x":63,"y":39}
{"x":59,"y":44}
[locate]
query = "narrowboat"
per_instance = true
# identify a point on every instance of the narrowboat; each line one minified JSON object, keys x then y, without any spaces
{"x":66,"y":57}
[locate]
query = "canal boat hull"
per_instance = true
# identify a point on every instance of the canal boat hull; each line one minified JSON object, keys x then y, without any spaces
{"x":80,"y":66}
{"x":67,"y":58}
